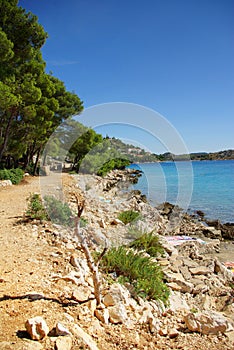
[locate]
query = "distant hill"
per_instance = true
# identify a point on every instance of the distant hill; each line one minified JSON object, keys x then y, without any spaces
{"x":138,"y":155}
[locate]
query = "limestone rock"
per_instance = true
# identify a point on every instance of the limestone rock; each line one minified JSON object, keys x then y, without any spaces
{"x":116,"y":222}
{"x":102,"y":315}
{"x":4,"y":183}
{"x":61,"y":330}
{"x":207,"y":322}
{"x":118,"y":314}
{"x":79,"y":332}
{"x":37,"y":328}
{"x":81,"y":294}
{"x":117,"y":294}
{"x":200,"y":270}
{"x":63,"y":343}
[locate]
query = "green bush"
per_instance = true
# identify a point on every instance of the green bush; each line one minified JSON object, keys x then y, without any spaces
{"x":15,"y":175}
{"x":145,"y":275}
{"x":128,"y":216}
{"x":36,"y":208}
{"x":117,"y":163}
{"x":149,"y":242}
{"x":59,"y":212}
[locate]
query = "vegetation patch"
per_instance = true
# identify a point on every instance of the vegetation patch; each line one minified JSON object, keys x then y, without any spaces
{"x":145,"y":275}
{"x":52,"y":209}
{"x":15,"y":175}
{"x":36,"y":209}
{"x":128,"y":216}
{"x":59,"y":212}
{"x":149,"y":242}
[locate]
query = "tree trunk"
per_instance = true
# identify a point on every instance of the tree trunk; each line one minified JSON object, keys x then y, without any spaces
{"x":7,"y":133}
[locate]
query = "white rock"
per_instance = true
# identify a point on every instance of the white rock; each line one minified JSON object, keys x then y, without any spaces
{"x":200,"y":270}
{"x":63,"y":343}
{"x":37,"y":328}
{"x":118,"y":314}
{"x":207,"y":322}
{"x":117,"y":294}
{"x":61,"y":330}
{"x":79,"y":332}
{"x":4,"y":183}
{"x":81,"y":294}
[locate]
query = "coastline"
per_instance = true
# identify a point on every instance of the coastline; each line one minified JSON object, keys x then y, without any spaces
{"x":51,"y":276}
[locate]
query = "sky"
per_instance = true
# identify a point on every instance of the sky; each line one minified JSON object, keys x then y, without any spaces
{"x":175,"y":57}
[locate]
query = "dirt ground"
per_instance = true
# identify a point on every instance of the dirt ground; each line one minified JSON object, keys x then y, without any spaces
{"x":28,"y":262}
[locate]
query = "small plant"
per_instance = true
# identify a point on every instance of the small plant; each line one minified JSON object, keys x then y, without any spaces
{"x":128,"y":216}
{"x":149,"y":242}
{"x":83,"y":222}
{"x":145,"y":275}
{"x":36,"y":208}
{"x":15,"y":175}
{"x":59,"y":212}
{"x":194,"y":310}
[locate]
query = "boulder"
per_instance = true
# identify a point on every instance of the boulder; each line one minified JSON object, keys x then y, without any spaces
{"x":37,"y":328}
{"x":207,"y":322}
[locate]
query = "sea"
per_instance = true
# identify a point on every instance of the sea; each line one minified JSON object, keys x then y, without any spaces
{"x":207,"y":186}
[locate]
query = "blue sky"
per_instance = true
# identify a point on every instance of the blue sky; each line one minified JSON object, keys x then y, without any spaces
{"x":173,"y":56}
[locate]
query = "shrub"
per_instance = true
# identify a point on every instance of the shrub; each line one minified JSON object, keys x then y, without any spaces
{"x":59,"y":212}
{"x":148,"y":242}
{"x":128,"y":216}
{"x":145,"y":275}
{"x":15,"y":175}
{"x":117,"y":163}
{"x":36,"y":208}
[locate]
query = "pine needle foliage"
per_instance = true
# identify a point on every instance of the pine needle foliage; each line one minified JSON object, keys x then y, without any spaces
{"x":128,"y":216}
{"x":149,"y":242}
{"x":144,"y":274}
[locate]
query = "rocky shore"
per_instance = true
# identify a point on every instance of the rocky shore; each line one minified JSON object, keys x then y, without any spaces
{"x":200,"y":314}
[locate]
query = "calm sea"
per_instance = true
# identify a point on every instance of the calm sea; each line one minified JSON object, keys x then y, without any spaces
{"x":197,"y":185}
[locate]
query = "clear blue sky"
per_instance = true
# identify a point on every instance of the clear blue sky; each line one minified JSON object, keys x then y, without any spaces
{"x":174,"y":56}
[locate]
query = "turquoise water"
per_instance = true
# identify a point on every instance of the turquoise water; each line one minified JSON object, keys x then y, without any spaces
{"x":197,"y":185}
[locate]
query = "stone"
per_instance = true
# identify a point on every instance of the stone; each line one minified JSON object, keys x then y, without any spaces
{"x":81,"y":294}
{"x":37,"y":328}
{"x":200,"y":288}
{"x":26,"y":345}
{"x":61,"y":330}
{"x":174,"y":286}
{"x":186,"y":287}
{"x":118,"y":314}
{"x":116,"y":222}
{"x":200,"y":270}
{"x":102,"y":315}
{"x":63,"y":343}
{"x":79,"y":332}
{"x":4,"y":183}
{"x":173,"y":333}
{"x":117,"y":294}
{"x":207,"y":322}
{"x":102,"y":223}
{"x":177,"y":302}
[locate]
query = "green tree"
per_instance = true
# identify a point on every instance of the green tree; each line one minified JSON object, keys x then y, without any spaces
{"x":32,"y":103}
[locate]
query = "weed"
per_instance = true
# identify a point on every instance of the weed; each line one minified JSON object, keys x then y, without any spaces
{"x":59,"y":212}
{"x":145,"y":275}
{"x":149,"y":242}
{"x":128,"y":216}
{"x":15,"y":175}
{"x":36,"y":208}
